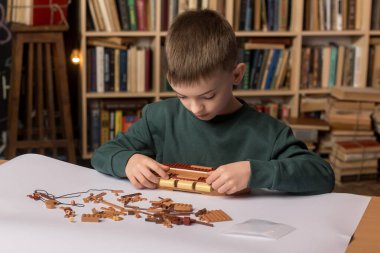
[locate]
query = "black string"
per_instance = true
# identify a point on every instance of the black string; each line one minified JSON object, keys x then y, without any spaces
{"x":68,"y":195}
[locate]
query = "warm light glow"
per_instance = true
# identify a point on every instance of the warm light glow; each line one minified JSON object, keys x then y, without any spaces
{"x":75,"y":57}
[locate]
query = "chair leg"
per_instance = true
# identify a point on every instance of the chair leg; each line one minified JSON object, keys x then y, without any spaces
{"x":14,"y":97}
{"x":63,"y":96}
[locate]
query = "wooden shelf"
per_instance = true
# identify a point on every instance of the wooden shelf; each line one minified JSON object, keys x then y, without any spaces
{"x":265,"y":34}
{"x":99,"y":95}
{"x":315,"y":91}
{"x":121,"y":34}
{"x":332,"y":33}
{"x":260,"y":93}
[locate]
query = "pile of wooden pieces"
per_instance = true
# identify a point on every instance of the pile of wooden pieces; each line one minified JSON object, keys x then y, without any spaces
{"x":163,"y":211}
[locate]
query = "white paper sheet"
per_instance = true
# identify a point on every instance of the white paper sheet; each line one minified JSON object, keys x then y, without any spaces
{"x":324,"y":223}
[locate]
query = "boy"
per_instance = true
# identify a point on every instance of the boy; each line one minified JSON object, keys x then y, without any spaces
{"x":206,"y":125}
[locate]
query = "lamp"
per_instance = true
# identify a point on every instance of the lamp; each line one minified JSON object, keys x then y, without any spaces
{"x":75,"y":56}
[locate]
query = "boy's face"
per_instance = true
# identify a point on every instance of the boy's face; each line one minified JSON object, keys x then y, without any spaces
{"x":213,"y":96}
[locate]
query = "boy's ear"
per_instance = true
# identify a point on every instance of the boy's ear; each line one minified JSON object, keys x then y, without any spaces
{"x":238,"y":73}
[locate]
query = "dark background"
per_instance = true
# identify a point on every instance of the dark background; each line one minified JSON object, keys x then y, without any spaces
{"x":72,"y":40}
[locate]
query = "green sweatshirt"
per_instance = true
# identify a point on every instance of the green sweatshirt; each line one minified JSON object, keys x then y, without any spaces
{"x":169,"y":133}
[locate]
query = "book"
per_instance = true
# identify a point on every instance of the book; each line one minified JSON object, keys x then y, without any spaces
{"x":94,"y":125}
{"x":106,"y":15}
{"x":349,"y":105}
{"x":100,"y":69}
{"x":359,"y":146}
{"x":355,"y":178}
{"x":356,"y":94}
{"x":141,"y":7}
{"x":312,"y":104}
{"x":375,"y":78}
{"x":366,"y":163}
{"x":122,"y":9}
{"x":355,"y":156}
{"x":307,"y":123}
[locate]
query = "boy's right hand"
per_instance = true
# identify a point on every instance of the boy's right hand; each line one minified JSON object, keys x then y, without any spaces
{"x":140,"y":168}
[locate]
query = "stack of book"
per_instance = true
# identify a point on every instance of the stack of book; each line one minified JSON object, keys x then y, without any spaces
{"x":355,"y":160}
{"x":114,"y":66}
{"x":355,"y":151}
{"x":331,"y":138}
{"x":349,"y":115}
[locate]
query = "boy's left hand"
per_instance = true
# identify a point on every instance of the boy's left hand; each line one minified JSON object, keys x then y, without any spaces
{"x":230,"y":178}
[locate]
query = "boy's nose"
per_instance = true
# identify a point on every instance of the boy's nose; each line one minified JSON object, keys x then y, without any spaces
{"x":196,"y":107}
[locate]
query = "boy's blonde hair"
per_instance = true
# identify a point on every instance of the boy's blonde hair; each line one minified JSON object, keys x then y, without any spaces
{"x":198,"y":44}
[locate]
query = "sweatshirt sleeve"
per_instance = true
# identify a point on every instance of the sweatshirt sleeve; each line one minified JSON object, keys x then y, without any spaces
{"x":112,"y":157}
{"x":292,"y":168}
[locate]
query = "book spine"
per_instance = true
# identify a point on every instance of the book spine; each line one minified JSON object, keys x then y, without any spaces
{"x":123,"y":13}
{"x":141,"y":15}
{"x":123,"y":70}
{"x":132,"y":15}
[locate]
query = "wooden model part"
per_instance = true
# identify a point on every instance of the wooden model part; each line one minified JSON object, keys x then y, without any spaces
{"x":68,"y":211}
{"x":189,"y":178}
{"x":179,"y":207}
{"x":117,"y":192}
{"x":51,"y":203}
{"x":89,"y":218}
{"x":94,"y":198}
{"x":215,"y":216}
{"x":135,"y":197}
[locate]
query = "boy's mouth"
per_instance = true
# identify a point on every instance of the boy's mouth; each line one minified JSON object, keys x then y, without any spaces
{"x":201,"y":116}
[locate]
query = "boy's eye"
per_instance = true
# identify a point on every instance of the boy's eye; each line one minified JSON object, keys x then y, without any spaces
{"x":180,"y":97}
{"x":209,"y":97}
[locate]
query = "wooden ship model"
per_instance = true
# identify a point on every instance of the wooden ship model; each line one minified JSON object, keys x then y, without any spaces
{"x":188,"y":178}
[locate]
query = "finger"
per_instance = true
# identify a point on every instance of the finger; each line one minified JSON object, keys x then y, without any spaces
{"x":163,"y":166}
{"x":135,"y":183}
{"x":149,"y":175}
{"x":225,"y":188}
{"x":157,"y":167}
{"x":145,"y":182}
{"x":232,"y":190}
{"x":218,"y":183}
{"x":213,"y":176}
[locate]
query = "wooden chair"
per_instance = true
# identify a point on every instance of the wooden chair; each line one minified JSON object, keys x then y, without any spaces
{"x":46,"y":93}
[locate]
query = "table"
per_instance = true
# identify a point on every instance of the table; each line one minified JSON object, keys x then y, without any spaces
{"x":366,"y":237}
{"x":367,"y":234}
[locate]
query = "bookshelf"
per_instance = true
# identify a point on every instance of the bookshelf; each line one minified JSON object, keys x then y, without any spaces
{"x":359,"y":37}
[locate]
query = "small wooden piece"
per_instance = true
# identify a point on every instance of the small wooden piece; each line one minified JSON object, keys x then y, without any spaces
{"x":117,"y":192}
{"x":51,"y":203}
{"x":68,"y":212}
{"x":215,"y":216}
{"x":89,"y":218}
{"x":179,"y":207}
